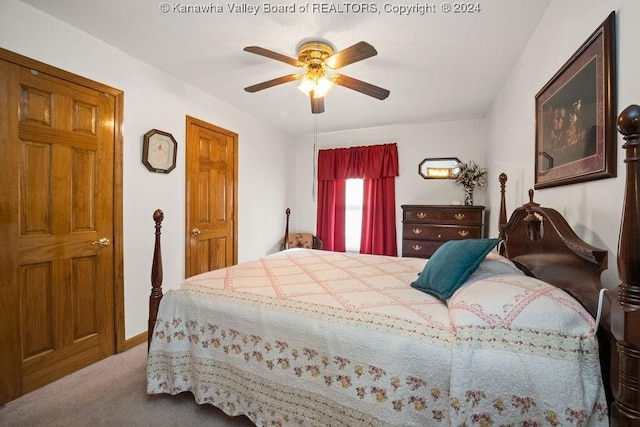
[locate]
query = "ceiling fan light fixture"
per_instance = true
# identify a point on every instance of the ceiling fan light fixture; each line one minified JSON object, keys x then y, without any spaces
{"x":307,"y":84}
{"x":319,"y":85}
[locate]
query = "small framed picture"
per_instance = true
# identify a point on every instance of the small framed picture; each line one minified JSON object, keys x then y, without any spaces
{"x":159,"y":151}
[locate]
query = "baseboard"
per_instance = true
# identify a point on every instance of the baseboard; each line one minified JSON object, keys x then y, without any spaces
{"x":132,"y":342}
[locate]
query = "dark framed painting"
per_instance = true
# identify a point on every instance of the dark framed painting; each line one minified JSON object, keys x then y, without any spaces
{"x":575,"y":115}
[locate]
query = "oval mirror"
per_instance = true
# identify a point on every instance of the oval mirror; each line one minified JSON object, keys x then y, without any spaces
{"x":438,"y":168}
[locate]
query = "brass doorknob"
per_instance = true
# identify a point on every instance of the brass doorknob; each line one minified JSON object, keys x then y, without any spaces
{"x":196,"y":231}
{"x":103,"y":241}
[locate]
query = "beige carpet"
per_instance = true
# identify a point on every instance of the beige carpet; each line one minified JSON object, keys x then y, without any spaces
{"x":111,"y":393}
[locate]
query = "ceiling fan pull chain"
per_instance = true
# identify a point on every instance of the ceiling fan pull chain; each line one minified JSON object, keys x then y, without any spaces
{"x":315,"y":157}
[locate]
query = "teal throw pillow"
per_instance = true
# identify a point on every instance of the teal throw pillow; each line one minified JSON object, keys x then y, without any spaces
{"x":451,"y":265}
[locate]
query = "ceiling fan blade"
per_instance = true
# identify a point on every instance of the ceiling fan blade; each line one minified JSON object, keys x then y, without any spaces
{"x":317,"y":104}
{"x":273,"y":55}
{"x":355,"y":53}
{"x":271,"y":83}
{"x":362,"y":87}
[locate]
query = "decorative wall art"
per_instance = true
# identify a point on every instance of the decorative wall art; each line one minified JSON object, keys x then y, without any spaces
{"x":575,"y":115}
{"x":159,"y":151}
{"x":438,"y":167}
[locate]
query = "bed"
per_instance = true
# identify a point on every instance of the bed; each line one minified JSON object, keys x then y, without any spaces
{"x":309,"y":337}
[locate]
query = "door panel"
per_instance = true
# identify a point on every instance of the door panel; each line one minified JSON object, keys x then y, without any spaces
{"x":58,"y":169}
{"x":211,"y":197}
{"x":36,"y":290}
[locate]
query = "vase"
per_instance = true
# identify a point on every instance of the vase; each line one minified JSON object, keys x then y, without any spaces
{"x":468,"y":196}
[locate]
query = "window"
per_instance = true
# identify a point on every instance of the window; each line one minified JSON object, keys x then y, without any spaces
{"x":377,"y":166}
{"x":353,"y":214}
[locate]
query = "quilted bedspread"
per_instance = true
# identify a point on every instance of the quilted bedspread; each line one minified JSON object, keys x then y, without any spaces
{"x":307,"y":337}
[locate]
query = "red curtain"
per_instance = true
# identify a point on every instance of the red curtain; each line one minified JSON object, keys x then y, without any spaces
{"x":330,"y":218}
{"x":378,"y":165}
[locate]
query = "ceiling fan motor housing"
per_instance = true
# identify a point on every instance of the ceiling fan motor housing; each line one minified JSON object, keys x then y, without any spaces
{"x":313,"y":54}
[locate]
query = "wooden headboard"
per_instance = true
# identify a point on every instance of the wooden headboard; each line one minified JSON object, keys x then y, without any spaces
{"x":542,"y":244}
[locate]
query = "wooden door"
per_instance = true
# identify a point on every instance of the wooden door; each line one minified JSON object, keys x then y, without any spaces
{"x":211,"y":193}
{"x":56,"y":228}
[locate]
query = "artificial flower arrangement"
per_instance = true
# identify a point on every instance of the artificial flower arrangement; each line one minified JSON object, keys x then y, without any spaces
{"x":469,"y":176}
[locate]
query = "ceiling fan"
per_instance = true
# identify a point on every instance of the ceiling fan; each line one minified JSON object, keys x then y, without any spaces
{"x":319,"y":62}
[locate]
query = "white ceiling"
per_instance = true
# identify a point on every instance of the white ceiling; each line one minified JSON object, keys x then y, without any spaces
{"x":438,"y":66}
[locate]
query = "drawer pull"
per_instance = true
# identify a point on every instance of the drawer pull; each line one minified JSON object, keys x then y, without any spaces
{"x":416,"y":247}
{"x":463,"y":233}
{"x":421,"y":215}
{"x":439,"y":236}
{"x":417,"y":231}
{"x":459,"y":216}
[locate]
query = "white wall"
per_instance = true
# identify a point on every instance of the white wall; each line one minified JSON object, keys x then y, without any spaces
{"x":153,"y":99}
{"x":462,"y":139}
{"x":592,"y":208}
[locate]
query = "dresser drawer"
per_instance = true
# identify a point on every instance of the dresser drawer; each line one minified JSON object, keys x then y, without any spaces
{"x":421,"y":215}
{"x":440,"y":233}
{"x":419,"y":248}
{"x":459,"y":216}
{"x":442,"y":215}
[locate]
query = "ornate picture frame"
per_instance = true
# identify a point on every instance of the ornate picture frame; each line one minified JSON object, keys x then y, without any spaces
{"x":575,"y":115}
{"x":159,"y":151}
{"x":438,"y":167}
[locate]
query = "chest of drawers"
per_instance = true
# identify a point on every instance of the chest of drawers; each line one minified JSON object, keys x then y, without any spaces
{"x":426,"y":227}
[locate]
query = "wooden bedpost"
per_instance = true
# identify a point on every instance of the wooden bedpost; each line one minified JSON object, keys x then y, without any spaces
{"x":285,"y":243}
{"x":502,"y":218}
{"x":625,"y":314}
{"x":156,"y":277}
